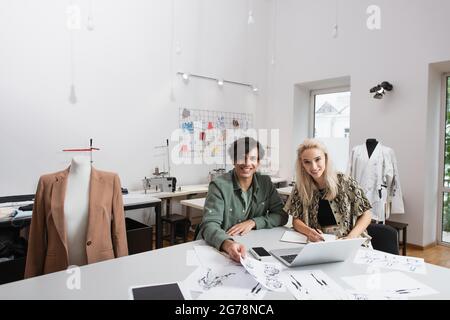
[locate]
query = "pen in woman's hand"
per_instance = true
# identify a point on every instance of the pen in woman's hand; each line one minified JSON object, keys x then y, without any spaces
{"x":319,"y":232}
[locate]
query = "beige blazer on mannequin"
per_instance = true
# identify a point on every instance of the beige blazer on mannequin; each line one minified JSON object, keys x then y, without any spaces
{"x":106,"y":232}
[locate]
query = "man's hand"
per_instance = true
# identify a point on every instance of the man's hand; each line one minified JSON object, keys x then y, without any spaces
{"x":315,"y":235}
{"x":241,"y":228}
{"x":234,"y":249}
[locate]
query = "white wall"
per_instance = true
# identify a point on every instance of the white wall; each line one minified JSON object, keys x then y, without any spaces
{"x":123,"y":79}
{"x":413,"y":34}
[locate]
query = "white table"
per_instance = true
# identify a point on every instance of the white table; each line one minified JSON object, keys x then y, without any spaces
{"x":180,"y":192}
{"x":277,"y":181}
{"x":130,"y":202}
{"x":194,"y":203}
{"x":134,"y":199}
{"x":187,"y":191}
{"x":286,"y":191}
{"x":111,"y":279}
{"x":141,"y":201}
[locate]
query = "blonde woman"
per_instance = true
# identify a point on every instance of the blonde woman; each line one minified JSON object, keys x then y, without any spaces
{"x":326,"y":201}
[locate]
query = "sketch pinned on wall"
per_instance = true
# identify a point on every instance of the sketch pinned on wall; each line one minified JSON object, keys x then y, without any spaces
{"x":186,"y":113}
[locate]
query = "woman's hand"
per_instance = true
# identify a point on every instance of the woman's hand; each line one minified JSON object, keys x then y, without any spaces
{"x":314,"y":235}
{"x":349,"y":236}
{"x":242,"y":228}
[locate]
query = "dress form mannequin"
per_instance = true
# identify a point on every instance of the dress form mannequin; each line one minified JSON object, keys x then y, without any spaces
{"x":371,"y":144}
{"x":76,"y":209}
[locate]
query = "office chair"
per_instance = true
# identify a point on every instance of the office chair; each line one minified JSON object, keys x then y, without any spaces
{"x":384,"y":238}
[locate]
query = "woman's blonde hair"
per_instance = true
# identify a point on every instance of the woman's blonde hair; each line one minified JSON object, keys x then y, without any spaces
{"x":305,"y":183}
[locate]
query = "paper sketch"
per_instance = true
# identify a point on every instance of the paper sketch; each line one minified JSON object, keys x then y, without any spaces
{"x":225,"y":283}
{"x":257,"y":292}
{"x":294,"y":236}
{"x":268,"y":274}
{"x":391,"y":283}
{"x":358,"y":295}
{"x":313,"y":285}
{"x":390,"y":261}
{"x":209,"y":257}
{"x":297,"y":237}
{"x":211,"y":279}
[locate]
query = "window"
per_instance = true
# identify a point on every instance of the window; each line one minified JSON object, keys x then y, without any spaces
{"x":445,"y":186}
{"x":331,"y":123}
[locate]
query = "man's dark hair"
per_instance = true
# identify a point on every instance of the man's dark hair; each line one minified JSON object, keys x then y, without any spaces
{"x":242,"y":146}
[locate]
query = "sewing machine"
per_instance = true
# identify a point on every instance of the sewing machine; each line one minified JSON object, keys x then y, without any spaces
{"x":162,"y":184}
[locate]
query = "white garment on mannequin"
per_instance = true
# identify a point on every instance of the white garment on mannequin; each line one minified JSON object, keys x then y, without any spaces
{"x":76,"y":209}
{"x":378,"y":176}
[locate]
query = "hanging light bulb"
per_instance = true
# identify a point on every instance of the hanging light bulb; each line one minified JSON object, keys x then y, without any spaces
{"x":177,"y":48}
{"x":185,"y":77}
{"x":90,"y":18}
{"x":72,"y":96}
{"x":90,"y":23}
{"x":255,"y":89}
{"x":334,"y":32}
{"x":220,"y":82}
{"x":172,"y":93}
{"x":250,"y":20}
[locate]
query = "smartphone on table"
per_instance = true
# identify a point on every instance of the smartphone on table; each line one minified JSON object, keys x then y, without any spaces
{"x":259,"y":253}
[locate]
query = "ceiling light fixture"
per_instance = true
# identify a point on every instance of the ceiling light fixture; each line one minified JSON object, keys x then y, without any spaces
{"x":185,"y":77}
{"x":220,"y":82}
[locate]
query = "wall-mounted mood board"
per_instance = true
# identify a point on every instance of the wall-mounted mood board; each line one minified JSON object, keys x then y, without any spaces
{"x":204,"y":132}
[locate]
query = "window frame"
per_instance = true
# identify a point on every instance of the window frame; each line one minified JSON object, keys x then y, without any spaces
{"x":441,"y":187}
{"x":312,"y":103}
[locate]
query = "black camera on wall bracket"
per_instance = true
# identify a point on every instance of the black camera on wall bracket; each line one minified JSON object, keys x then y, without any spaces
{"x":381,"y":89}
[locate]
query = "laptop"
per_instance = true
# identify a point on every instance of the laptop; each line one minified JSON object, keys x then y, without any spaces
{"x":318,"y":252}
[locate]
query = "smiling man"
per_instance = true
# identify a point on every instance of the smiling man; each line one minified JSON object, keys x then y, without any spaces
{"x":240,"y":200}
